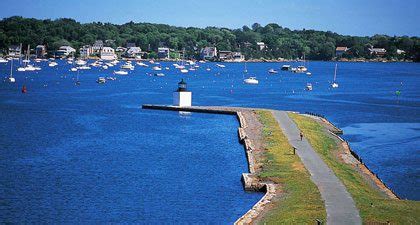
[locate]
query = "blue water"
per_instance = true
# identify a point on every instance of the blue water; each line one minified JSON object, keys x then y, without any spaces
{"x":88,"y":153}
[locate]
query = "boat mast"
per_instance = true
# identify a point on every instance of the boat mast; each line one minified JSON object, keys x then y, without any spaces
{"x":20,"y":54}
{"x":335,"y":72}
{"x":11,"y":69}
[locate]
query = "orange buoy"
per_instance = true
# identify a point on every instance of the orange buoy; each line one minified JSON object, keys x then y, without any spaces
{"x":23,"y":89}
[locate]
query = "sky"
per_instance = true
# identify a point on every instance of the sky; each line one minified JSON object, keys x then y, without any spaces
{"x":348,"y":17}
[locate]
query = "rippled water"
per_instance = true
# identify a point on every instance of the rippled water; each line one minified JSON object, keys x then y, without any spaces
{"x":88,"y":153}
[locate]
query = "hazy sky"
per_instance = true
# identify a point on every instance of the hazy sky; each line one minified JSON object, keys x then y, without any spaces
{"x":354,"y":17}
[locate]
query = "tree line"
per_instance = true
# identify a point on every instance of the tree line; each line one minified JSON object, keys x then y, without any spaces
{"x":280,"y":42}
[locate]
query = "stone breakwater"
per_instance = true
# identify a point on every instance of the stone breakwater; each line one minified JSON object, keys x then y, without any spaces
{"x":251,"y":180}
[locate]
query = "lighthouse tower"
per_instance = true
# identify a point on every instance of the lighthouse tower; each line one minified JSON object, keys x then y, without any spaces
{"x":182,"y":97}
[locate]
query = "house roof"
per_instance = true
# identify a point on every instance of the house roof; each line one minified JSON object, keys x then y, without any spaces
{"x":341,"y":49}
{"x":378,"y":50}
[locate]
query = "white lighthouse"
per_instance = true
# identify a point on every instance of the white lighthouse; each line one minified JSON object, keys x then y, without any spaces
{"x":182,"y":97}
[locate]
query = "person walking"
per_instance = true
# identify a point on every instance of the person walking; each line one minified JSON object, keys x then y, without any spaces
{"x":301,"y":136}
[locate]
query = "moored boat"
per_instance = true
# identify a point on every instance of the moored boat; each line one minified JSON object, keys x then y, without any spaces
{"x":121,"y":72}
{"x":251,"y":80}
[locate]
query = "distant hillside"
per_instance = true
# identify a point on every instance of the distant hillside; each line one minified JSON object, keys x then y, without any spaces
{"x":279,"y":41}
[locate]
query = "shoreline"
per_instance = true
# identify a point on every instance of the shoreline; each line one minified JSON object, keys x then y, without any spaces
{"x":251,"y":180}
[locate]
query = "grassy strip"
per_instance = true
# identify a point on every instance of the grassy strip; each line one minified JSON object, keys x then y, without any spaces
{"x":301,"y":202}
{"x":383,"y":209}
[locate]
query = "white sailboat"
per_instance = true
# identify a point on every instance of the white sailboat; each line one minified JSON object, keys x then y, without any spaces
{"x":335,"y":84}
{"x":309,"y":87}
{"x":121,"y":72}
{"x":11,"y":79}
{"x":251,"y":80}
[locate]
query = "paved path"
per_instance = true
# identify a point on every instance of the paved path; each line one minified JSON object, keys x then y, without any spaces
{"x":340,"y":206}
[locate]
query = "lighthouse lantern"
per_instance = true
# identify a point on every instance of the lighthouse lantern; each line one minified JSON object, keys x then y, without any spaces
{"x":182,"y":97}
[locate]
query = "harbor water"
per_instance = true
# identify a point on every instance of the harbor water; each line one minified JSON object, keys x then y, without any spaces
{"x":89,"y":153}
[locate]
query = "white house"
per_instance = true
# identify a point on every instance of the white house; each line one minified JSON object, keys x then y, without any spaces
{"x":377,"y":51}
{"x":237,"y":57}
{"x":133,"y":52}
{"x":85,"y":51}
{"x":261,"y":45}
{"x":97,"y":46}
{"x":163,"y":53}
{"x":64,"y":51}
{"x":108,"y":53}
{"x":208,"y":53}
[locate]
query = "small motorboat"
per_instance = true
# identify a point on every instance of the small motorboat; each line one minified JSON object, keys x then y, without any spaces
{"x":286,"y":68}
{"x":301,"y":69}
{"x":220,"y":65}
{"x":52,"y":64}
{"x":251,"y":80}
{"x":121,"y":72}
{"x":127,"y":65}
{"x":272,"y":71}
{"x":309,"y":73}
{"x":105,"y":67}
{"x":157,"y":68}
{"x":111,"y":78}
{"x":309,"y":87}
{"x":83,"y":67}
{"x":30,"y":68}
{"x":159,"y":74}
{"x":101,"y":80}
{"x":184,"y":71}
{"x":73,"y":69}
{"x":80,"y":62}
{"x":142,"y":64}
{"x":21,"y":69}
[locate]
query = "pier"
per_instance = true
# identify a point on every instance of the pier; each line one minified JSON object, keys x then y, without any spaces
{"x":339,"y":204}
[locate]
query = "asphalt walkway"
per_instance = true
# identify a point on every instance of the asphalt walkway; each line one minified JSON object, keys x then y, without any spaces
{"x":339,"y":204}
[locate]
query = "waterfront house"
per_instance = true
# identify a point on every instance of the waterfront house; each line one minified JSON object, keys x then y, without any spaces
{"x":40,"y":51}
{"x":377,"y":51}
{"x":108,"y":53}
{"x":97,"y":46}
{"x":15,"y":50}
{"x":339,"y":51}
{"x":163,"y":53}
{"x":261,"y":46}
{"x":85,"y":51}
{"x":237,"y":57}
{"x":133,"y":52}
{"x":64,"y":51}
{"x":208,"y":53}
{"x":225,"y":55}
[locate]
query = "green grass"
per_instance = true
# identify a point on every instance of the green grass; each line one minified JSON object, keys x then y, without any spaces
{"x":301,"y":202}
{"x":383,"y":209}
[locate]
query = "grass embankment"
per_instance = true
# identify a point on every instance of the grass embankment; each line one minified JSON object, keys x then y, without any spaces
{"x":301,"y":201}
{"x":383,"y":209}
